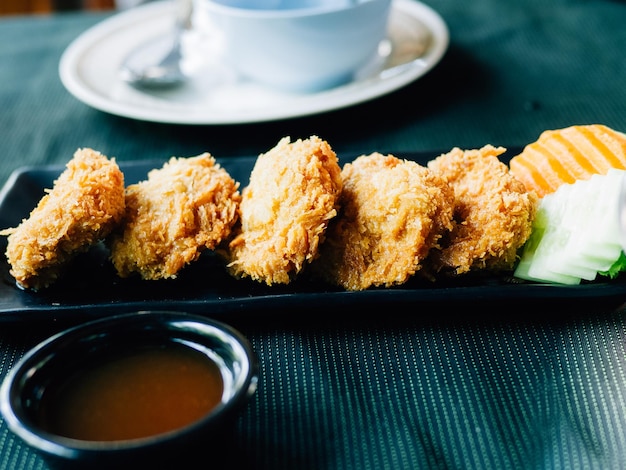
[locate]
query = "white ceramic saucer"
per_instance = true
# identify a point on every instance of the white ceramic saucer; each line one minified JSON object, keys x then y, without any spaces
{"x":418,"y":39}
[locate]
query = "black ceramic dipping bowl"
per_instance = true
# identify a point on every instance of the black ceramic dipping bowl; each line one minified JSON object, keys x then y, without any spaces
{"x":36,"y":387}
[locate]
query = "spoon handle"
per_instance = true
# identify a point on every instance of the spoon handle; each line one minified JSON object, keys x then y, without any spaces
{"x":184,"y":10}
{"x":157,"y":64}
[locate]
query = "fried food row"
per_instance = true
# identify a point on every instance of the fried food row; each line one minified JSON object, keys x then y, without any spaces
{"x":84,"y":206}
{"x":187,"y":206}
{"x":153,"y":228}
{"x":462,"y":212}
{"x":392,"y":213}
{"x":292,"y":195}
{"x":377,"y":221}
{"x":493,"y":212}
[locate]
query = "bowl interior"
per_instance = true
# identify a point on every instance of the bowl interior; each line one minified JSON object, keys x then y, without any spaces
{"x":37,"y":387}
{"x":276,"y":6}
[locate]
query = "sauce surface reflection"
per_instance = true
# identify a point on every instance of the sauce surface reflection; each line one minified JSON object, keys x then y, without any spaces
{"x":138,"y":394}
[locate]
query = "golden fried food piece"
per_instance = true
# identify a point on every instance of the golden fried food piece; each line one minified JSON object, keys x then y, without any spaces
{"x":393,"y":212}
{"x":183,"y":208}
{"x":285,"y":210}
{"x":493,"y":212}
{"x":84,"y":205}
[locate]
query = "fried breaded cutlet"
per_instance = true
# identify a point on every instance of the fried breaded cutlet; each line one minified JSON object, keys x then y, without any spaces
{"x":493,"y":212}
{"x":85,"y":203}
{"x":181,"y":209}
{"x":285,"y":209}
{"x":393,"y":212}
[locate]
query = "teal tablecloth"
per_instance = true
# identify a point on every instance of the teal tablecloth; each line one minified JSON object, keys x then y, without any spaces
{"x":513,"y":69}
{"x":478,"y":384}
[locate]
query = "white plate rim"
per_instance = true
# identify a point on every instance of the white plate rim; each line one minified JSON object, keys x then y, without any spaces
{"x":387,"y":80}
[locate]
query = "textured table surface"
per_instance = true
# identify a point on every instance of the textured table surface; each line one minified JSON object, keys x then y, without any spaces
{"x":489,"y":383}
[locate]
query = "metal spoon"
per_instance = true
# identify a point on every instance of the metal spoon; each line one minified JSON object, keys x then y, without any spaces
{"x":157,"y":63}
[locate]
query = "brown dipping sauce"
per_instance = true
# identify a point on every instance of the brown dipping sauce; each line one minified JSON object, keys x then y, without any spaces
{"x":140,"y":394}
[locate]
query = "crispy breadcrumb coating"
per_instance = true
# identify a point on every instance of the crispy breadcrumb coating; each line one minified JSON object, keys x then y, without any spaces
{"x":393,"y":212}
{"x":285,"y":210}
{"x":183,"y":208}
{"x":493,"y":212}
{"x":84,"y":205}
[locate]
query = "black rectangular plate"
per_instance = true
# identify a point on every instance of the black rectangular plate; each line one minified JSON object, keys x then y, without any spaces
{"x":90,"y":288}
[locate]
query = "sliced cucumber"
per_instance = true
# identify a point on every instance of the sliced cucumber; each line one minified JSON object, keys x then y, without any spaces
{"x":547,"y":240}
{"x":575,"y":233}
{"x":578,"y":205}
{"x":602,"y":245}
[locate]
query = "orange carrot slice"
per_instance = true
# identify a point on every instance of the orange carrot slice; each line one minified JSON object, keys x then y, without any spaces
{"x":567,"y":155}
